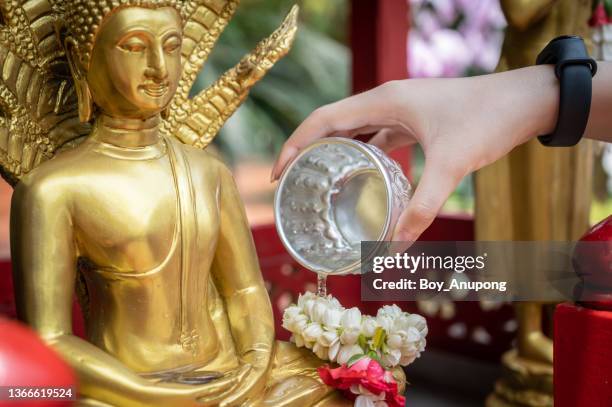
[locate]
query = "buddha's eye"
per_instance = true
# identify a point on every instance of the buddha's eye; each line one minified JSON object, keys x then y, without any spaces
{"x":172,"y":45}
{"x":133,"y":44}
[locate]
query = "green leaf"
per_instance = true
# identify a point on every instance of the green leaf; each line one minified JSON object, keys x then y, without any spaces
{"x":374,"y":356}
{"x":608,"y":7}
{"x":354,"y":359}
{"x":363,"y":342}
{"x":314,"y":73}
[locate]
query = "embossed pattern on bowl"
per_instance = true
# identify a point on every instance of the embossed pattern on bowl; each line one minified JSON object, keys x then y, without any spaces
{"x":335,"y":194}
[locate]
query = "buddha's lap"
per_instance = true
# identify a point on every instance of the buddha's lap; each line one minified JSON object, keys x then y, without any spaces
{"x":294,"y":381}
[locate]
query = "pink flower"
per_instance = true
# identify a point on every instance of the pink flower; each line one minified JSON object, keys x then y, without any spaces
{"x":367,"y":374}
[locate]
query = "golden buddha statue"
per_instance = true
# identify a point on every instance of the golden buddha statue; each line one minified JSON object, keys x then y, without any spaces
{"x":115,"y":199}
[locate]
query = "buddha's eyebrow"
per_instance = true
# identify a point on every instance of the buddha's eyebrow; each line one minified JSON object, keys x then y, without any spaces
{"x":144,"y":30}
{"x":171,"y":32}
{"x":133,"y":32}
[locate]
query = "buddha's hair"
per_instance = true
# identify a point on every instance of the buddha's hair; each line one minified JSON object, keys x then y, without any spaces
{"x":83,"y":19}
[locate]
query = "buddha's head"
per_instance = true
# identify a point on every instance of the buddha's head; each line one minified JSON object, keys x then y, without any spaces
{"x":124,"y":55}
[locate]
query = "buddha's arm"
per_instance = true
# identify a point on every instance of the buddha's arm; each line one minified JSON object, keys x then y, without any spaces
{"x":44,"y":263}
{"x":521,"y":14}
{"x":239,"y":281}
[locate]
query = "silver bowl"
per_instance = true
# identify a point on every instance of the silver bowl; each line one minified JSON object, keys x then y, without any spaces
{"x":335,"y":194}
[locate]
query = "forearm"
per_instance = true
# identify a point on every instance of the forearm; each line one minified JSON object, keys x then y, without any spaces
{"x":599,"y":126}
{"x":530,"y":100}
{"x":523,"y":102}
{"x":251,"y":321}
{"x":237,"y":275}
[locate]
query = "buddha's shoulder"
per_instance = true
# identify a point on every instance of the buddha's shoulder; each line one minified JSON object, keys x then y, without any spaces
{"x":205,"y":159}
{"x":58,"y":171}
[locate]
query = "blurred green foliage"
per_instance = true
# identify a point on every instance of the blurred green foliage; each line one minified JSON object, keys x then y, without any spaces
{"x":315,"y":72}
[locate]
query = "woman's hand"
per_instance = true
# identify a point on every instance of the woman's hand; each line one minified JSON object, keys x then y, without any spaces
{"x":462,"y":125}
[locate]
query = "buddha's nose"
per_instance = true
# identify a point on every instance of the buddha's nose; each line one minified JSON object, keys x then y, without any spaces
{"x":157,"y":68}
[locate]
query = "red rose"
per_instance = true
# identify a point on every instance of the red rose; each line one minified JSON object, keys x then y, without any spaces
{"x":365,"y":374}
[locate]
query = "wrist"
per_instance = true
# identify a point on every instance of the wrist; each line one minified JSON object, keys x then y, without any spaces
{"x":545,"y":104}
{"x":257,"y":357}
{"x":530,"y":102}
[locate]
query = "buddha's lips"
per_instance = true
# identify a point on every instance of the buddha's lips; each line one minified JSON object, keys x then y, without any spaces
{"x":155,"y":90}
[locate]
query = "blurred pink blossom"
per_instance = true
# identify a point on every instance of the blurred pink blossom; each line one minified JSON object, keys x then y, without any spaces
{"x":454,"y":37}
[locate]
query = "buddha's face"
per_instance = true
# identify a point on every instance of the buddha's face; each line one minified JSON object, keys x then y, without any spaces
{"x":136,"y":62}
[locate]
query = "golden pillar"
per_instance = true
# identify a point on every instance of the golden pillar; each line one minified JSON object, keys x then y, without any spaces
{"x":535,"y":193}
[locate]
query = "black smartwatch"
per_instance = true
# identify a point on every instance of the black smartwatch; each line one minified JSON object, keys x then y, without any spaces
{"x":574,"y":68}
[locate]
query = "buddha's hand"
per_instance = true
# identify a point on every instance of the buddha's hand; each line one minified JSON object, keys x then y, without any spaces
{"x":252,"y":383}
{"x":209,"y":394}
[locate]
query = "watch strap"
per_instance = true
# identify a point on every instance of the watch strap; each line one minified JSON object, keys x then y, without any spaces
{"x":574,"y":69}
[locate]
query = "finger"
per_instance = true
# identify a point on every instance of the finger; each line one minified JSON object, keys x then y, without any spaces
{"x":235,"y":399}
{"x":390,"y":139}
{"x":221,"y":386}
{"x":238,"y":397}
{"x":440,"y":178}
{"x":358,"y":131}
{"x":216,"y":399}
{"x":365,"y":109}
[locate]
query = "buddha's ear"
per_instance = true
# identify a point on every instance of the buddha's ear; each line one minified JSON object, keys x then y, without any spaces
{"x":79,"y":75}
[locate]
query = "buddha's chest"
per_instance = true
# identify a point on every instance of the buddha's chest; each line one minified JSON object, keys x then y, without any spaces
{"x":129,"y":218}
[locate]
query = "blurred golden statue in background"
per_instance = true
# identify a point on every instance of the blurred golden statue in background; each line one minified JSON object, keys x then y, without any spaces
{"x":535,"y":193}
{"x":114,"y":198}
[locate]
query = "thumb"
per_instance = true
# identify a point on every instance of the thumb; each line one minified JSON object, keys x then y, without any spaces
{"x":438,"y":181}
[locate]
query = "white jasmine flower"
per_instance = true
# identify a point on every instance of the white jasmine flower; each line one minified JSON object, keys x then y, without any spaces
{"x":419,"y":323}
{"x":334,"y":303}
{"x":298,"y":340}
{"x":332,"y":318}
{"x":407,"y":358}
{"x":368,"y":326}
{"x":334,"y":349}
{"x":385,"y":322}
{"x":391,"y":358}
{"x":327,"y":338}
{"x":390,"y":311}
{"x":304,"y":298}
{"x":350,"y":326}
{"x":368,"y":399}
{"x":295,"y":324}
{"x":413,"y":335}
{"x":351,"y":319}
{"x":346,"y":352}
{"x":312,"y":331}
{"x":292,"y":311}
{"x":321,"y":351}
{"x":349,"y":336}
{"x":416,"y":321}
{"x":318,"y":311}
{"x":394,"y":341}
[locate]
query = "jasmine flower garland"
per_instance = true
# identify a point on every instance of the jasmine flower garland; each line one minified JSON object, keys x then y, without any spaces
{"x":343,"y":336}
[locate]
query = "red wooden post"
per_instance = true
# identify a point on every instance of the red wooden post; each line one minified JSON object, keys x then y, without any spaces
{"x":583,"y":332}
{"x":379,"y":32}
{"x":582,"y":360}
